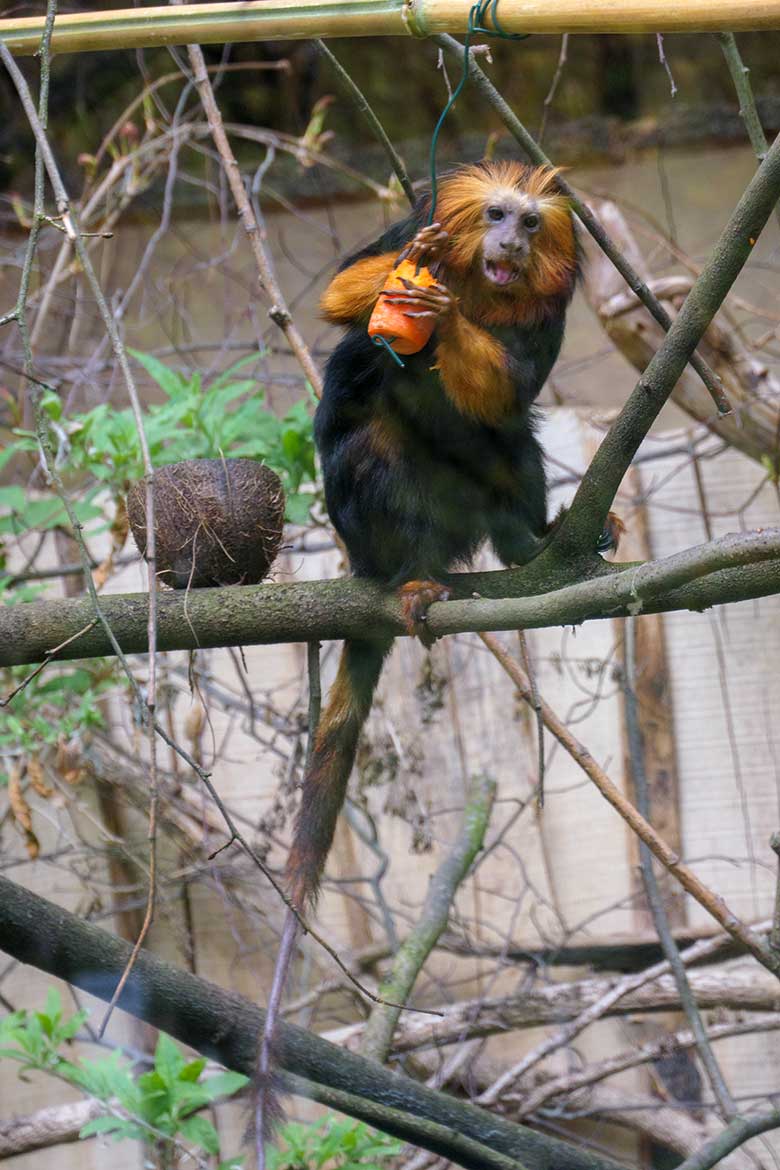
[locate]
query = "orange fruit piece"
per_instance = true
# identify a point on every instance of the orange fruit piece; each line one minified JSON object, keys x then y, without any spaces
{"x":403,"y":334}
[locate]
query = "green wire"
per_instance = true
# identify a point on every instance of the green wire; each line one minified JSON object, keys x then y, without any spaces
{"x":477,"y":14}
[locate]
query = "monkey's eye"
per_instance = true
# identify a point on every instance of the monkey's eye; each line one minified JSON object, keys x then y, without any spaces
{"x":495,"y":214}
{"x":532,"y":222}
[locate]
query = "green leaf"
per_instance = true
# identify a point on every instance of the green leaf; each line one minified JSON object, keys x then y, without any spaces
{"x":298,"y":508}
{"x":168,"y":1060}
{"x":168,"y":380}
{"x":105,"y":1124}
{"x":201,"y":1132}
{"x":13,"y":498}
{"x":192,"y":1071}
{"x":224,"y":1084}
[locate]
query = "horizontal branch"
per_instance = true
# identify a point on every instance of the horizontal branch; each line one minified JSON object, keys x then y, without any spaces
{"x":272,"y":20}
{"x":226,"y":1027}
{"x":734,"y":568}
{"x":742,"y":989}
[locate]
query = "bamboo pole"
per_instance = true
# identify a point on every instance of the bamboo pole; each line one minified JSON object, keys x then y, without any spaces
{"x":270,"y":20}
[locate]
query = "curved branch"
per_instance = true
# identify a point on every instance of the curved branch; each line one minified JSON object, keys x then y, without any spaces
{"x":632,"y":278}
{"x":223,"y":1025}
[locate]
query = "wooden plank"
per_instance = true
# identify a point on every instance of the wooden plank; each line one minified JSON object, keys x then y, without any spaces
{"x":656,"y":721}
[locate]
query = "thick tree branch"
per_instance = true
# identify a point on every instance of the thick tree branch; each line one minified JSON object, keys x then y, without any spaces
{"x":48,"y":1127}
{"x":226,"y":1027}
{"x":752,"y":386}
{"x":583,"y":523}
{"x":734,"y":568}
{"x":734,"y":1135}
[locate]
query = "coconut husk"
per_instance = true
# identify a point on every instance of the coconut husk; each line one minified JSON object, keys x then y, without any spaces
{"x":217,"y":521}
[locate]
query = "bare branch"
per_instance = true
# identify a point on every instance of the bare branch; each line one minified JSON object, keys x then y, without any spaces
{"x":278,"y":311}
{"x":417,"y":946}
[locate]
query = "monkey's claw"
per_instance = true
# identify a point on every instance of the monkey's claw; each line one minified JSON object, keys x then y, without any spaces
{"x":426,"y":246}
{"x":416,"y":599}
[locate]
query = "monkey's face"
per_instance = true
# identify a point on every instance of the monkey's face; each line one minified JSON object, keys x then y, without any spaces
{"x":511,"y":220}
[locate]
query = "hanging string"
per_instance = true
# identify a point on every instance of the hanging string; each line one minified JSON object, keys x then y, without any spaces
{"x":478,"y":13}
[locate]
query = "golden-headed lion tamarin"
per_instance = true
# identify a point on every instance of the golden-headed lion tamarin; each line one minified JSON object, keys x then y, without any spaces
{"x":423,"y":462}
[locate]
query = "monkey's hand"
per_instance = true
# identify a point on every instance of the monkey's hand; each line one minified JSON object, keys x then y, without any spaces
{"x":434,"y":301}
{"x":426,"y":247}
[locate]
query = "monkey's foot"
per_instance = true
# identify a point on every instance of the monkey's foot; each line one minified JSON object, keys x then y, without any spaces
{"x":610,"y":537}
{"x":416,"y":599}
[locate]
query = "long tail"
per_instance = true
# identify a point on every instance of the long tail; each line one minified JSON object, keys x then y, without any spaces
{"x":325,"y":780}
{"x":324,"y":789}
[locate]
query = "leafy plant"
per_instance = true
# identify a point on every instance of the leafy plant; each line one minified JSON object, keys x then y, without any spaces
{"x":162,"y":1102}
{"x":332,"y":1144}
{"x":51,"y":708}
{"x":228,"y":417}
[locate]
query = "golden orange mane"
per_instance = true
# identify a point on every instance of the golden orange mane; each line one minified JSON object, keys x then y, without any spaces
{"x":460,"y":205}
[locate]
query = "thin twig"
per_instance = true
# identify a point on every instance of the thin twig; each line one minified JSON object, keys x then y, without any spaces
{"x":659,"y":38}
{"x":417,"y":946}
{"x":278,"y":312}
{"x":548,"y":101}
{"x":70,"y":225}
{"x":50,"y":654}
{"x":358,"y":98}
{"x":734,"y":1135}
{"x":722,"y":1093}
{"x":740,"y":75}
{"x":537,"y":707}
{"x":710,"y":901}
{"x":774,"y":934}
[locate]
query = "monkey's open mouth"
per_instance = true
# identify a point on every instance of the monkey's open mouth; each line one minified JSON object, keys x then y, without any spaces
{"x":500,"y":272}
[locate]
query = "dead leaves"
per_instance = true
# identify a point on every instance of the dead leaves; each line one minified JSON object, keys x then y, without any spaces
{"x":20,"y":809}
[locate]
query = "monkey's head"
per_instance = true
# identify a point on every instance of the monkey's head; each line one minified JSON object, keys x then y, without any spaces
{"x":510,"y":228}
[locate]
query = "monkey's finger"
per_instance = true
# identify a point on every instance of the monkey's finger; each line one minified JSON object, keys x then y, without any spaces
{"x":420,"y":294}
{"x":417,"y":316}
{"x":427,"y":240}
